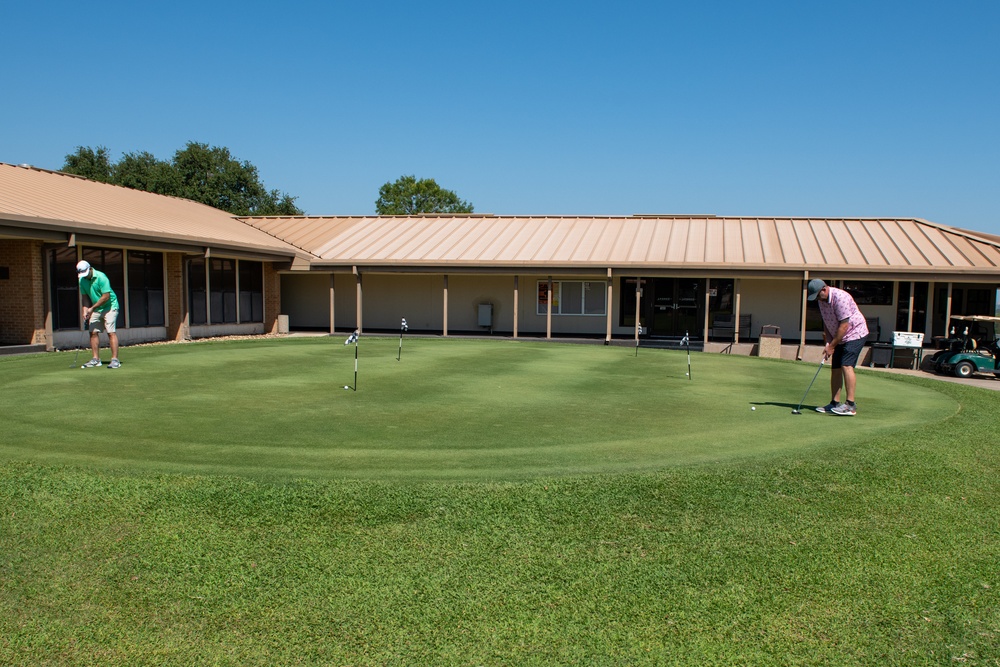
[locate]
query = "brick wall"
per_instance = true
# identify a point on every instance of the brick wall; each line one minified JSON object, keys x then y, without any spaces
{"x":22,"y":293}
{"x":272,"y":298}
{"x":177,"y":325}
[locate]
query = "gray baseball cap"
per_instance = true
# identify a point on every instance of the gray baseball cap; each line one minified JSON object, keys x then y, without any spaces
{"x":815,"y":285}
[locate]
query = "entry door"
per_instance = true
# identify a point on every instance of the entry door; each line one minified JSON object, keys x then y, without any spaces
{"x":674,"y":305}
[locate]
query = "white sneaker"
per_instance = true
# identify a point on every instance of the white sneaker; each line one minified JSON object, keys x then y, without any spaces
{"x":845,"y":410}
{"x":93,"y":363}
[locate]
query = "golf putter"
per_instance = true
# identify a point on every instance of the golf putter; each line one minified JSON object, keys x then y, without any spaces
{"x":798,"y":410}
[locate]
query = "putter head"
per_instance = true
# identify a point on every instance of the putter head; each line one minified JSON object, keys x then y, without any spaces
{"x":796,"y":412}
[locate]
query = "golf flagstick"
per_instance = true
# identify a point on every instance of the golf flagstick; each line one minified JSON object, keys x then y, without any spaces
{"x":798,"y":410}
{"x":687,"y":343}
{"x":353,"y":338}
{"x":402,"y":328}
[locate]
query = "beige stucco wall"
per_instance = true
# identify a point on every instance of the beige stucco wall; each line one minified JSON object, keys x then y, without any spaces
{"x":768,"y":301}
{"x":389,"y":297}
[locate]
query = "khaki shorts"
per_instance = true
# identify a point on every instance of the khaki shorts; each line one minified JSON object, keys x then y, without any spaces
{"x":109,"y":318}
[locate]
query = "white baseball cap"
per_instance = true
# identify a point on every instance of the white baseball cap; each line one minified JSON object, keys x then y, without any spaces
{"x":82,"y":268}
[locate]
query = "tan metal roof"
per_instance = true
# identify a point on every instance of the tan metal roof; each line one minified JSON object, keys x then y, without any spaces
{"x":640,"y":242}
{"x":37,"y":201}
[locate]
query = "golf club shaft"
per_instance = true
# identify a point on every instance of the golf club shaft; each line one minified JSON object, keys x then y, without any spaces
{"x":86,"y":343}
{"x":823,"y":361}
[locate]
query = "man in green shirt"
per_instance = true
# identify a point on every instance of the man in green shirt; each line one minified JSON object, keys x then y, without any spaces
{"x":101,"y":313}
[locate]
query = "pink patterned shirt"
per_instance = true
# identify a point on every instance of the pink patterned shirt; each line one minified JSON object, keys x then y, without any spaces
{"x":839,"y":307}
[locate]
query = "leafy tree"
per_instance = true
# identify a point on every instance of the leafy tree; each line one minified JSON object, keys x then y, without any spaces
{"x":210,"y":175}
{"x":142,"y":171}
{"x":92,"y":163}
{"x":408,"y":196}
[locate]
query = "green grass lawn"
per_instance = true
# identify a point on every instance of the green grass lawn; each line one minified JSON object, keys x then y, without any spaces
{"x":489,"y":503}
{"x":447,"y":410}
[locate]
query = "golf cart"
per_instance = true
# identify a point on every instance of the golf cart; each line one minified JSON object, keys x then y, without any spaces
{"x":975,"y":351}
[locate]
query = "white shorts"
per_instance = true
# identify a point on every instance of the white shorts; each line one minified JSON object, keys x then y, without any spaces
{"x":108,"y":318}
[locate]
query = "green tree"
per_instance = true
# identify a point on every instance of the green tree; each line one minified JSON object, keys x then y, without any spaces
{"x":92,"y":163}
{"x":408,"y":196}
{"x":214,"y":177}
{"x":142,"y":171}
{"x":210,"y":175}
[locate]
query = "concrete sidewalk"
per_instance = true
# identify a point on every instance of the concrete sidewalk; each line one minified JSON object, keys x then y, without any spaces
{"x":983,"y":381}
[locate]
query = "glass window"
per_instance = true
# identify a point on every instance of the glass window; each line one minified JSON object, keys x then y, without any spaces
{"x":870,"y":292}
{"x":222,"y":290}
{"x":65,"y":289}
{"x":251,"y":291}
{"x":573,"y":297}
{"x":112,"y":264}
{"x":145,"y":289}
{"x":595,"y":298}
{"x":198,"y":291}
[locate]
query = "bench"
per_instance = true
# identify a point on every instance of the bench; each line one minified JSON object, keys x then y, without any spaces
{"x":723,"y":327}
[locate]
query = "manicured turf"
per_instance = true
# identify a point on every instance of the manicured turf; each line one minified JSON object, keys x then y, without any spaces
{"x":449,"y":409}
{"x":706,"y":535}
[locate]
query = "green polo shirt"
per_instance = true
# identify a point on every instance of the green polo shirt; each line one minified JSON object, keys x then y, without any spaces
{"x":97,"y":286}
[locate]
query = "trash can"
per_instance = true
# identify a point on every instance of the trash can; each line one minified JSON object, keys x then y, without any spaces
{"x":769,"y":343}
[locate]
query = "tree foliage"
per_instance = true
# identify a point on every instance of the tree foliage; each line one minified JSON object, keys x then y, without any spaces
{"x":92,"y":163}
{"x":408,"y":196}
{"x":210,"y":175}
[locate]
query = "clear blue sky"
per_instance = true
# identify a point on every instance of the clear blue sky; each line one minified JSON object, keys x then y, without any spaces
{"x":793,"y":108}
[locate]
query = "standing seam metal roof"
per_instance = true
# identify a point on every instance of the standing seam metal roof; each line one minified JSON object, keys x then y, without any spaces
{"x":43,"y":199}
{"x":636,"y":241}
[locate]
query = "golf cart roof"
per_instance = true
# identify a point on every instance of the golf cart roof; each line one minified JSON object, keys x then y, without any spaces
{"x":976,"y":318}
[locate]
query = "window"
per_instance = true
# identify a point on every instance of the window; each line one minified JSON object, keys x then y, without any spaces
{"x":251,"y":291}
{"x":112,"y":264}
{"x":198,"y":291}
{"x":573,"y":297}
{"x":65,"y":289}
{"x":222,"y":290}
{"x":225,"y":291}
{"x":870,"y":292}
{"x":145,"y":289}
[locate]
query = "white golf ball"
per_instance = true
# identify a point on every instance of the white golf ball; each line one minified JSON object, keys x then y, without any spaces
{"x":753,"y":408}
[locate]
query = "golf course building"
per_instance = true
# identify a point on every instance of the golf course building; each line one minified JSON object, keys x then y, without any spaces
{"x":184,"y":270}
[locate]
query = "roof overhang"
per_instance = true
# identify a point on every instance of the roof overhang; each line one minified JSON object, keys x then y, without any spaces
{"x":76,"y":233}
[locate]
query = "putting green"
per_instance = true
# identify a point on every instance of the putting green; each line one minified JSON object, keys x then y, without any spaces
{"x":448,"y":409}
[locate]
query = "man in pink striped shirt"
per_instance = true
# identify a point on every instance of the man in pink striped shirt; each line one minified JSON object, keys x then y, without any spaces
{"x":844,"y":333}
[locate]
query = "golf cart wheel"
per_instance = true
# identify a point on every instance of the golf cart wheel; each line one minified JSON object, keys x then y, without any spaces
{"x":964,"y":369}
